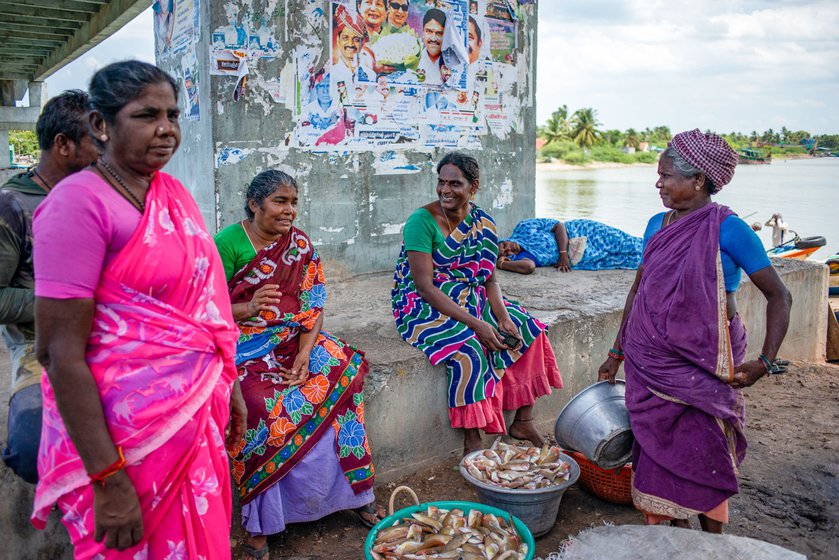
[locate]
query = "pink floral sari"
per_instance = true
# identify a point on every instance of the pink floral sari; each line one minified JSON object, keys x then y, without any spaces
{"x":161,"y":351}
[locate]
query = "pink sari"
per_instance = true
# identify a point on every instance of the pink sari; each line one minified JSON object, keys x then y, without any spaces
{"x":161,"y":351}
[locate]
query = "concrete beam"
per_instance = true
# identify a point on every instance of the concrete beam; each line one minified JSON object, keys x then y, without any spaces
{"x":110,"y":18}
{"x":41,"y":12}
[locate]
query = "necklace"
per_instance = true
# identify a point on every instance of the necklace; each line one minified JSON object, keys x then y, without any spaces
{"x":448,"y":223}
{"x":249,"y":226}
{"x":670,"y":217}
{"x":119,"y":180}
{"x":34,"y":172}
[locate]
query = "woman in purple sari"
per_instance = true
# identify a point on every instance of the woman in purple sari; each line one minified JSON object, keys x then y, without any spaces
{"x":684,"y":343}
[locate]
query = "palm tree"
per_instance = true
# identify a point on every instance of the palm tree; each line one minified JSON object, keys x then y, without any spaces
{"x":585,"y":123}
{"x":632,"y":138}
{"x":556,"y":129}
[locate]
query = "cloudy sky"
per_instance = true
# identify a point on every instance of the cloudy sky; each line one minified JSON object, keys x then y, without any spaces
{"x":727,"y":65}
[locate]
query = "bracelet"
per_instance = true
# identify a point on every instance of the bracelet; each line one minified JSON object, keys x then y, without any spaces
{"x":616,"y":354}
{"x":563,"y":252}
{"x":110,"y":470}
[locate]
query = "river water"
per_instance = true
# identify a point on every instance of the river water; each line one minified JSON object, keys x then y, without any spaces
{"x":804,"y":191}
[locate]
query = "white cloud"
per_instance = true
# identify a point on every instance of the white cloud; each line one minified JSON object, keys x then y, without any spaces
{"x":737,"y":65}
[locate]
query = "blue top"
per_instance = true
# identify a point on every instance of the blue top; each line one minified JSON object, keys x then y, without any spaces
{"x":740,"y":248}
{"x":607,"y":247}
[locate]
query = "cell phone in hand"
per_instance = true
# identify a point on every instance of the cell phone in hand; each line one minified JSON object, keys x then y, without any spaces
{"x":510,"y":340}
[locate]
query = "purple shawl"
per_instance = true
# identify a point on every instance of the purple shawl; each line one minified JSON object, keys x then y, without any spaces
{"x":680,"y":353}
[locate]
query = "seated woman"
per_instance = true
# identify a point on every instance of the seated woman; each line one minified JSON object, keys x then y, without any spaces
{"x":575,"y":244}
{"x":305,"y":453}
{"x":447,"y":303}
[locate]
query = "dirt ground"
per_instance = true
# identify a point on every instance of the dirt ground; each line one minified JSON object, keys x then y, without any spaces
{"x":789,"y":492}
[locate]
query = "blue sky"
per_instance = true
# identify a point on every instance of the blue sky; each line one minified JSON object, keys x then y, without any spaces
{"x":734,"y":65}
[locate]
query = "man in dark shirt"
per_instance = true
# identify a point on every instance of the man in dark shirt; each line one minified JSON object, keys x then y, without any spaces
{"x":66,"y":147}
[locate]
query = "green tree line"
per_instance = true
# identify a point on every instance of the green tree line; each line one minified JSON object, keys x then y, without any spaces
{"x":577,"y":138}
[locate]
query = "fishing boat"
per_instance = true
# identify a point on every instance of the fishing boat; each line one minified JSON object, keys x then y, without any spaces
{"x":799,"y":248}
{"x":753,"y":156}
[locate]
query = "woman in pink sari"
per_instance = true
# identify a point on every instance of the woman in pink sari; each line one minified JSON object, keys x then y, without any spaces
{"x":135,"y":332}
{"x":684,"y":343}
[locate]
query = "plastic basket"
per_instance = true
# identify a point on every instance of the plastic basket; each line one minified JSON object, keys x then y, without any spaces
{"x":388,"y":521}
{"x":613,"y":485}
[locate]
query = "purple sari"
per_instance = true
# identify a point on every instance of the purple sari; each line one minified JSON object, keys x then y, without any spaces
{"x":680,"y":354}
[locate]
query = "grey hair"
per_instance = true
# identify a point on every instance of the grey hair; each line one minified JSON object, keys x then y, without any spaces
{"x":686,"y":169}
{"x":264,"y":185}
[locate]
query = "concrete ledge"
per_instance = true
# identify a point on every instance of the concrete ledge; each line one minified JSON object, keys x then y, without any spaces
{"x":406,"y":402}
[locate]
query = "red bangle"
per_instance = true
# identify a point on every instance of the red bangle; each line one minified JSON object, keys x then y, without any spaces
{"x":616,"y":356}
{"x":110,"y":470}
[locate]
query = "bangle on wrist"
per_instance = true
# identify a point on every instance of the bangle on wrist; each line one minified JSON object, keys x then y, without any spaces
{"x":616,"y":354}
{"x":562,"y":252}
{"x":110,"y":470}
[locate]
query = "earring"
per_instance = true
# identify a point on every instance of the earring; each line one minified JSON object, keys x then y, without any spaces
{"x":697,"y":188}
{"x":104,"y":138}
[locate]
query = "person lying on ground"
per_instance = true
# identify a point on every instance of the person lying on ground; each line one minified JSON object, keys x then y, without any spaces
{"x":575,"y":244}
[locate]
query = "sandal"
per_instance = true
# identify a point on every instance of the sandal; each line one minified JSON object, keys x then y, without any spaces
{"x":257,"y":553}
{"x":369,"y":509}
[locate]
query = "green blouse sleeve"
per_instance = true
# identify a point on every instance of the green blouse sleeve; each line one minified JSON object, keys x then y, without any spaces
{"x":421,"y":232}
{"x":235,"y":249}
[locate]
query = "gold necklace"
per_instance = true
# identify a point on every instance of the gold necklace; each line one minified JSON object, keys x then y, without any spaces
{"x":448,"y":223}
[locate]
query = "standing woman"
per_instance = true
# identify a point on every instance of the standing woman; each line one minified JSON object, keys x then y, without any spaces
{"x":305,"y":454}
{"x":684,"y":343}
{"x":447,"y":303}
{"x":135,"y":332}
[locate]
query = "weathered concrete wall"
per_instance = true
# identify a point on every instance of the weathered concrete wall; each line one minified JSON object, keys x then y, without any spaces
{"x":352,"y":213}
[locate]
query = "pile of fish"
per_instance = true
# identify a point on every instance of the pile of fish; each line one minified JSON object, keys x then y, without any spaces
{"x":442,"y":533}
{"x":518,"y":466}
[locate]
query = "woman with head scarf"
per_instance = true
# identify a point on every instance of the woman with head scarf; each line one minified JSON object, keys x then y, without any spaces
{"x":684,"y":344}
{"x":135,"y":332}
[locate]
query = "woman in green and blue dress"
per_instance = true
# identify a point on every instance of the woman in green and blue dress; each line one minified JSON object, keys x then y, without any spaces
{"x":447,"y":302}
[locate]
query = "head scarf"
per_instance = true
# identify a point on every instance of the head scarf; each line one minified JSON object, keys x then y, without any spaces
{"x":709,"y":153}
{"x":343,"y":18}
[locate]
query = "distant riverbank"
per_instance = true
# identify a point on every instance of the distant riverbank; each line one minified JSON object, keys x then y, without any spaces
{"x":559,"y":165}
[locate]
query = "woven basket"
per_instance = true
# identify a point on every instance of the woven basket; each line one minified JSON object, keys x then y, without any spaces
{"x":613,"y":485}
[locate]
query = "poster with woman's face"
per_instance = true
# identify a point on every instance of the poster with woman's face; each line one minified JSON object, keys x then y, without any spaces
{"x":408,"y":42}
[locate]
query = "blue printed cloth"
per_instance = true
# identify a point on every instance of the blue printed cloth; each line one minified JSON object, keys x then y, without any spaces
{"x":607,"y":247}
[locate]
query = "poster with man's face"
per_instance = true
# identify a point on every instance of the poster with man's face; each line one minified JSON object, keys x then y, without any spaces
{"x":408,"y":42}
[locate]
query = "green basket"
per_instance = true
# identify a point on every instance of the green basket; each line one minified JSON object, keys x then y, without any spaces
{"x":521,"y":528}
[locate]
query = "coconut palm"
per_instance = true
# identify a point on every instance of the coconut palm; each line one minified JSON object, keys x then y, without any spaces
{"x":632,"y":139}
{"x":584,"y":127}
{"x":556,"y":129}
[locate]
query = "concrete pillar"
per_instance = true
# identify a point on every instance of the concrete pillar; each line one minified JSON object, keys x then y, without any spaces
{"x":5,"y":158}
{"x":356,"y":194}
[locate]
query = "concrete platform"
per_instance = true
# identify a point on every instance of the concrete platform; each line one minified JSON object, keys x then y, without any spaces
{"x":406,"y":404}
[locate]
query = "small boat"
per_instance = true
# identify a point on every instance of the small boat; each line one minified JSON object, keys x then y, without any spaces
{"x":799,"y":248}
{"x":753,"y":156}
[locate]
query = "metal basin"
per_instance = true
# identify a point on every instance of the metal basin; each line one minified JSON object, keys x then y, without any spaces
{"x":537,"y":508}
{"x":596,"y":423}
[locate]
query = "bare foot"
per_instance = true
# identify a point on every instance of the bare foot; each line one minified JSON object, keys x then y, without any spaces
{"x":524,"y":430}
{"x":472,"y":440}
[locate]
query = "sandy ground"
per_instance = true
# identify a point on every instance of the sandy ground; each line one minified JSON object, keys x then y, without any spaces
{"x":789,"y":481}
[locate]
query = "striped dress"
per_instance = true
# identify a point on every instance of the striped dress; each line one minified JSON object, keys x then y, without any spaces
{"x":462,"y":265}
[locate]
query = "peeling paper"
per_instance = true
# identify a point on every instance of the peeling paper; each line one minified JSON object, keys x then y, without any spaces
{"x":393,"y":163}
{"x":505,"y":195}
{"x":231,"y":156}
